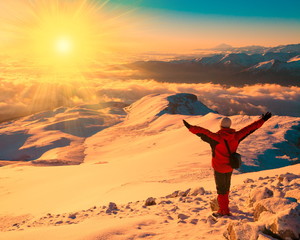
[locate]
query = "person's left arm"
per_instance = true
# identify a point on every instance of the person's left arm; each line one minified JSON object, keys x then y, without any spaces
{"x":246,"y":131}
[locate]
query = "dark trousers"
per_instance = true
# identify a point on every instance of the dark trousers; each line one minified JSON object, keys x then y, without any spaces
{"x":222,"y":182}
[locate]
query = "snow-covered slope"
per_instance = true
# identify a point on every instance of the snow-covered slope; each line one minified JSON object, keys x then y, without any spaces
{"x":265,"y":206}
{"x":263,"y":65}
{"x":297,"y":58}
{"x":240,"y":59}
{"x":149,"y":153}
{"x":148,"y":132}
{"x":292,"y":65}
{"x":54,"y":137}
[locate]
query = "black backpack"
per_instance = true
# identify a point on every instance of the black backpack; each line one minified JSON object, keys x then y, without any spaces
{"x":235,"y":159}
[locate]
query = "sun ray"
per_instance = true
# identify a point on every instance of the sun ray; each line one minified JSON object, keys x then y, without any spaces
{"x":62,"y":47}
{"x":64,"y":34}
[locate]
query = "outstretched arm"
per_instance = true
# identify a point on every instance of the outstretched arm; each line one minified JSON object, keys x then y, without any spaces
{"x":199,"y":130}
{"x":186,"y":124}
{"x":246,"y":131}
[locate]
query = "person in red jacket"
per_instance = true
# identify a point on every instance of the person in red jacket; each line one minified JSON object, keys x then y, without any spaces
{"x":220,"y":154}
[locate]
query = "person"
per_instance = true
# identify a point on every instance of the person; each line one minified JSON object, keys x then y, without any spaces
{"x":220,"y":154}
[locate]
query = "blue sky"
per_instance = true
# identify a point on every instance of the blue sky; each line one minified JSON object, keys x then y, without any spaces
{"x":288,"y":9}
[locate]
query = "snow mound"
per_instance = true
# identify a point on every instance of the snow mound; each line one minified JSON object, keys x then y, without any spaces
{"x":152,"y":106}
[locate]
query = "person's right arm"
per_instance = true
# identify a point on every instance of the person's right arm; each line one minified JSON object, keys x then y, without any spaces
{"x":201,"y":130}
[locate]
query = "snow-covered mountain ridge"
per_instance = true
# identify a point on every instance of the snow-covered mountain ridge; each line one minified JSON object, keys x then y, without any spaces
{"x":67,"y":136}
{"x":258,"y":49}
{"x":114,"y":157}
{"x":277,"y":65}
{"x":276,"y":144}
{"x":284,"y":61}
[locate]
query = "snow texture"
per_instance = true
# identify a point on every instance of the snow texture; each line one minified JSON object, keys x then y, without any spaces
{"x":144,"y":175}
{"x":189,"y":213}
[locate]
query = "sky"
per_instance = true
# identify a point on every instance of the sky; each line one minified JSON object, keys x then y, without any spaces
{"x":54,"y":50}
{"x":171,"y":25}
{"x":136,"y":27}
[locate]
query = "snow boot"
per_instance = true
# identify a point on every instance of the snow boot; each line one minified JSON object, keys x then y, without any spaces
{"x":223,"y":200}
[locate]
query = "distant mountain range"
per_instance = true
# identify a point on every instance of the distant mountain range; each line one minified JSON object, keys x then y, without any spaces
{"x":279,"y":65}
{"x":256,"y":49}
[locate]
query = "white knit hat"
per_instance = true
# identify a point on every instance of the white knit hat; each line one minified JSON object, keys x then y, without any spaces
{"x":226,"y":122}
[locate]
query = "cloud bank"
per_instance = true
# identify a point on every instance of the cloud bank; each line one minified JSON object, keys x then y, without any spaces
{"x":250,"y":100}
{"x":25,"y":93}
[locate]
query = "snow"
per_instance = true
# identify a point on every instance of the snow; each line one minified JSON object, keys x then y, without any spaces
{"x":263,"y":65}
{"x":293,"y":64}
{"x":276,"y":60}
{"x":286,"y":48}
{"x":240,"y":59}
{"x":90,"y":171}
{"x":53,"y":137}
{"x":184,"y":216}
{"x":212,"y":60}
{"x":297,"y":58}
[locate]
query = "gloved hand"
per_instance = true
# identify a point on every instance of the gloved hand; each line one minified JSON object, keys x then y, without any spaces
{"x":186,"y":124}
{"x":266,"y":116}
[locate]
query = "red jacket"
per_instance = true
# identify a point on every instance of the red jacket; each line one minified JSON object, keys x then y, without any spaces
{"x":220,"y":155}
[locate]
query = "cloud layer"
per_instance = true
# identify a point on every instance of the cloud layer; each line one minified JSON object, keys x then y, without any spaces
{"x":250,"y":100}
{"x":23,"y":93}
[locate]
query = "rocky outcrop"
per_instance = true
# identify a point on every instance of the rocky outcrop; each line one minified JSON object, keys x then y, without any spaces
{"x":242,"y":231}
{"x":150,"y":201}
{"x":259,"y":194}
{"x":281,"y":216}
{"x":185,"y":104}
{"x":112,"y":208}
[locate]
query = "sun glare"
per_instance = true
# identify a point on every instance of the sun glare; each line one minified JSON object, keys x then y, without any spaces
{"x":63,"y":45}
{"x":65,"y":41}
{"x":64,"y":35}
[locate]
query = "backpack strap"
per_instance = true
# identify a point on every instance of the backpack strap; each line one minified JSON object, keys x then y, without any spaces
{"x":227,"y":147}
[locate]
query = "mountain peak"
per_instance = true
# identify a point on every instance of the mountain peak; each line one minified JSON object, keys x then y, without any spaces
{"x":152,"y":106}
{"x":223,"y":46}
{"x":185,"y":104}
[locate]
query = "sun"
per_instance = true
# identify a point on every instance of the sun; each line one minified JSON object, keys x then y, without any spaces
{"x":64,"y":40}
{"x":63,"y":45}
{"x":70,"y":37}
{"x":65,"y":35}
